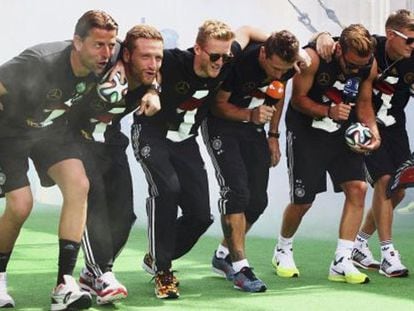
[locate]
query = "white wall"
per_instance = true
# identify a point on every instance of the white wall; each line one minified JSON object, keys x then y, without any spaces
{"x":27,"y":22}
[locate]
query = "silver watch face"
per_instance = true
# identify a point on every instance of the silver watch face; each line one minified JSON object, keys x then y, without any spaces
{"x":156,"y":87}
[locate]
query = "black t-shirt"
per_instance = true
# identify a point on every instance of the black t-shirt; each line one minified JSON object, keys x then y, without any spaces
{"x":185,"y":97}
{"x":41,"y":87}
{"x":247,"y":80}
{"x":328,"y":76}
{"x":98,"y":121}
{"x":394,"y":87}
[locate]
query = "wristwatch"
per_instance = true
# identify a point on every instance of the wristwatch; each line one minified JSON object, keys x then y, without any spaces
{"x":156,"y":87}
{"x":273,"y":134}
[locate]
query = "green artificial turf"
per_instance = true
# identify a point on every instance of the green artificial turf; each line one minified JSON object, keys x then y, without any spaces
{"x":32,"y":273}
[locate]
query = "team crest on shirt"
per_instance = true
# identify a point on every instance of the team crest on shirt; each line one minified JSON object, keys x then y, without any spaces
{"x":54,"y":94}
{"x":323,"y":79}
{"x":2,"y":181}
{"x":394,"y":71}
{"x":409,"y":77}
{"x":145,"y":151}
{"x":80,"y":87}
{"x":248,"y":87}
{"x":2,"y":178}
{"x":182,"y":87}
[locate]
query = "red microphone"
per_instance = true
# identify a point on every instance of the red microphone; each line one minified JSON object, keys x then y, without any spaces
{"x":274,"y":93}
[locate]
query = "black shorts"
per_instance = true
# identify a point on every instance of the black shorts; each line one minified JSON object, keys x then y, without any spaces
{"x":241,"y":158}
{"x":44,"y":147}
{"x":394,"y":150}
{"x":310,"y":155}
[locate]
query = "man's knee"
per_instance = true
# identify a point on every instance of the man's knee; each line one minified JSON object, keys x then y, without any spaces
{"x":71,"y":178}
{"x":256,"y":209}
{"x":355,"y":191}
{"x":19,"y":204}
{"x":234,"y":201}
{"x":197,"y":223}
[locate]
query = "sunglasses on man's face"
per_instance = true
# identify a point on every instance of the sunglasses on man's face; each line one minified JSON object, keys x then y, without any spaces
{"x":216,"y":56}
{"x":351,"y":66}
{"x":408,"y":40}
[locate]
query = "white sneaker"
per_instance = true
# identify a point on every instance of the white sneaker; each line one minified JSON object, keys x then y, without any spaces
{"x":87,"y":281}
{"x":108,"y":289}
{"x":6,"y":301}
{"x":342,"y":270}
{"x":392,"y":267}
{"x":363,"y":258}
{"x":408,"y":209}
{"x":284,"y":263}
{"x":68,"y":295}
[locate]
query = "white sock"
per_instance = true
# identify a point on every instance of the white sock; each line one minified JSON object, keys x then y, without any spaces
{"x":238,"y":265}
{"x":344,"y":248}
{"x":386,"y":249}
{"x":361,"y":239}
{"x":284,"y":243}
{"x":222,"y":251}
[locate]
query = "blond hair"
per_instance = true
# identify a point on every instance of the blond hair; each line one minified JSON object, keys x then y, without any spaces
{"x":400,"y":19}
{"x":214,"y":29}
{"x":357,"y":38}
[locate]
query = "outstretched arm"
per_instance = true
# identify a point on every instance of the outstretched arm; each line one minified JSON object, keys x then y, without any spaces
{"x":245,"y":34}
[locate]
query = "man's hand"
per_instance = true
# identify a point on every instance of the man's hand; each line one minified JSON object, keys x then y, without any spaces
{"x":339,"y":112}
{"x":304,"y":61}
{"x":373,"y":145}
{"x":150,"y":104}
{"x":261,"y":114}
{"x":274,"y":151}
{"x":325,"y":46}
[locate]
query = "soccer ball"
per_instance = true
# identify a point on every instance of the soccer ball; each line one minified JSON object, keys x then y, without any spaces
{"x":112,"y":91}
{"x":357,"y":134}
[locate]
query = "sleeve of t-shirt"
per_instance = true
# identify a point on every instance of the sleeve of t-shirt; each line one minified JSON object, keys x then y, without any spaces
{"x":22,"y":72}
{"x":229,"y":81}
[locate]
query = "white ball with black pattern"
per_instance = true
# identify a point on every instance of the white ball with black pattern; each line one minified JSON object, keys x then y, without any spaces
{"x":357,"y":134}
{"x":112,"y":91}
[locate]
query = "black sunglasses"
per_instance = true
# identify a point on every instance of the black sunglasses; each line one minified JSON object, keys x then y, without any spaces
{"x":408,"y":40}
{"x":352,"y":66}
{"x":216,"y":56}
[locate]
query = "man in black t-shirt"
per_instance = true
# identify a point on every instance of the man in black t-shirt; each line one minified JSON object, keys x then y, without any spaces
{"x":240,"y":150}
{"x":393,"y":89}
{"x":316,"y":120}
{"x":37,"y":88}
{"x":167,"y":150}
{"x":110,"y":202}
{"x":396,"y":75}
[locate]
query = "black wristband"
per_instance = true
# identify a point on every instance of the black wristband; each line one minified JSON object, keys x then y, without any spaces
{"x":274,"y":135}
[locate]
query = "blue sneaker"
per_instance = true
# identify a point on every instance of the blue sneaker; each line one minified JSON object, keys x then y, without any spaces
{"x":223,"y":267}
{"x":246,"y":280}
